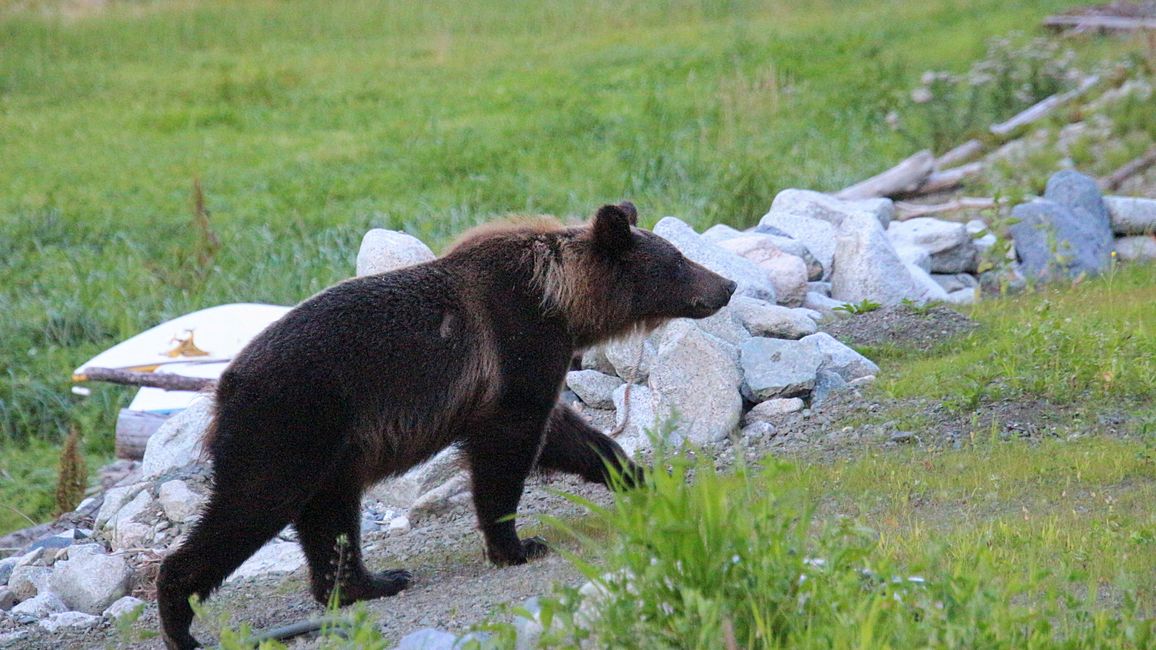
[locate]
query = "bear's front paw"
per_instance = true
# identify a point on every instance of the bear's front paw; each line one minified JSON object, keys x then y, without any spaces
{"x":527,"y":549}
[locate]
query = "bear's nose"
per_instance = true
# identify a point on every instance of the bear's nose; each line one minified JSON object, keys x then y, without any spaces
{"x":730,"y":287}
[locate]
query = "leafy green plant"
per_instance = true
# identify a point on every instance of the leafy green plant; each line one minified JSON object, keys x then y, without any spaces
{"x":862,"y":307}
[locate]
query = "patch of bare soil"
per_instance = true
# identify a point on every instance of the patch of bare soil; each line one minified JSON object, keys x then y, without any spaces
{"x":902,"y":326}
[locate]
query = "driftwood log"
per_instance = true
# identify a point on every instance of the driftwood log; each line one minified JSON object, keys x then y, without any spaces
{"x":960,"y":154}
{"x":1042,"y":109}
{"x":151,"y":379}
{"x":948,"y":179}
{"x":903,"y":178}
{"x":1099,"y":23}
{"x":1135,"y":166}
{"x":905,"y":210}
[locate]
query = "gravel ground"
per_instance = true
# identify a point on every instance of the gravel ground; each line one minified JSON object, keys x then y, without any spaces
{"x":917,"y":328}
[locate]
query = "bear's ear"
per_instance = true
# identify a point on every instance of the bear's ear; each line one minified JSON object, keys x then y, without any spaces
{"x":631,"y":212}
{"x":612,"y":228}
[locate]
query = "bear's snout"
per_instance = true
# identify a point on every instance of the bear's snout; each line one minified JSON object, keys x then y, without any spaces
{"x":711,"y":301}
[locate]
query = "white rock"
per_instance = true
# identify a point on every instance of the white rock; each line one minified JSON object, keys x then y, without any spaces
{"x":840,"y":359}
{"x":623,"y":355}
{"x":930,"y":234}
{"x":177,"y":442}
{"x":40,"y":606}
{"x":28,"y":580}
{"x":90,"y":583}
{"x":123,"y":606}
{"x":981,"y":236}
{"x":788,"y":273}
{"x":1131,"y":215}
{"x":69,"y":621}
{"x":763,"y":319}
{"x":388,"y":250}
{"x":821,"y":288}
{"x":758,"y":429}
{"x":824,"y":305}
{"x":814,"y":218}
{"x":752,"y":280}
{"x":178,"y":501}
{"x":399,"y":524}
{"x":724,"y":325}
{"x":928,"y":290}
{"x":637,"y":419}
{"x":451,"y":496}
{"x":696,"y":383}
{"x":721,"y":232}
{"x":593,"y":387}
{"x":428,"y":639}
{"x":963,"y":296}
{"x":142,"y":502}
{"x":403,"y":491}
{"x":868,"y":267}
{"x":1137,"y":247}
{"x":778,"y":368}
{"x":914,"y":255}
{"x":274,"y":557}
{"x":115,"y":499}
{"x":595,"y":359}
{"x":955,"y":281}
{"x":130,"y":534}
{"x":774,"y":408}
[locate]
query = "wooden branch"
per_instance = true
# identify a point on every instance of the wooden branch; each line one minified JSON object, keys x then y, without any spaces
{"x":1130,"y":169}
{"x":948,"y":179}
{"x":1084,"y":23}
{"x":960,"y":154}
{"x":907,"y":176}
{"x":905,"y":210}
{"x":1042,"y":109}
{"x":151,"y":379}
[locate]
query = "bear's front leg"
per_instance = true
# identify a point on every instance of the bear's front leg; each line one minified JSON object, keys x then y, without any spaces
{"x":501,"y":453}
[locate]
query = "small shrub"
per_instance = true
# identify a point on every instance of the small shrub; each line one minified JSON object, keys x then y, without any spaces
{"x":73,"y":476}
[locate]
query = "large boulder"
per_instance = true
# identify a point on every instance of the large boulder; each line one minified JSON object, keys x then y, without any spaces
{"x":179,"y":503}
{"x":778,"y":368}
{"x":788,"y":273}
{"x":695,"y":381}
{"x":405,"y":490}
{"x":1136,"y":247}
{"x":593,"y":388}
{"x":1131,"y":215}
{"x":89,"y":583}
{"x":867,"y":266}
{"x":1067,"y":233}
{"x":751,"y":279}
{"x":389,"y":250}
{"x":178,"y":442}
{"x":839,"y":358}
{"x":274,"y":557}
{"x":635,"y":416}
{"x":631,"y":357}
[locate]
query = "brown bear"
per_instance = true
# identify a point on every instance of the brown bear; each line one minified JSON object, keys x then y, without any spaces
{"x":377,"y":374}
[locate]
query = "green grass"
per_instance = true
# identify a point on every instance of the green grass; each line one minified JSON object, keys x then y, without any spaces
{"x":307,"y":122}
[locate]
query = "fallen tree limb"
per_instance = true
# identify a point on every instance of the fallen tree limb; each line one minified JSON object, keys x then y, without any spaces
{"x":905,"y":210}
{"x":907,"y":176}
{"x":948,"y":179}
{"x":150,"y":379}
{"x":1104,"y":23}
{"x":1042,"y":109}
{"x":960,"y":154}
{"x":1135,"y":166}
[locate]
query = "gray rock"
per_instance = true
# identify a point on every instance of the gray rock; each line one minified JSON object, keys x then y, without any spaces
{"x":981,"y":236}
{"x":793,"y":246}
{"x":902,"y":437}
{"x":179,"y":502}
{"x":274,"y":557}
{"x":90,"y":583}
{"x":721,"y":232}
{"x":13,"y":639}
{"x":821,"y":288}
{"x":1136,"y":248}
{"x":763,"y":319}
{"x":825,"y":305}
{"x":724,"y":325}
{"x":39,"y":606}
{"x":828,"y":208}
{"x":452,"y":496}
{"x":114,"y":499}
{"x":428,"y":639}
{"x":772,"y":409}
{"x":955,"y":281}
{"x":124,"y":528}
{"x":637,"y":419}
{"x":123,"y":607}
{"x":778,"y":368}
{"x":69,"y":621}
{"x":623,"y":355}
{"x":6,"y":566}
{"x":839,"y":358}
{"x":1068,"y":232}
{"x":403,"y":491}
{"x":177,"y":443}
{"x":593,"y":387}
{"x":947,"y":243}
{"x":528,"y":626}
{"x":914,"y":255}
{"x":758,"y":429}
{"x":696,"y":384}
{"x":1131,"y":215}
{"x":963,"y":296}
{"x":788,"y":273}
{"x":826,"y":383}
{"x":868,"y":267}
{"x":131,"y":534}
{"x":595,"y":359}
{"x":389,"y":250}
{"x":752,"y":280}
{"x":927,"y":289}
{"x":28,"y":580}
{"x":8,"y":599}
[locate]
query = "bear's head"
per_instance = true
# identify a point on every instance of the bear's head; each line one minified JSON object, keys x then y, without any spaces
{"x":615,"y":278}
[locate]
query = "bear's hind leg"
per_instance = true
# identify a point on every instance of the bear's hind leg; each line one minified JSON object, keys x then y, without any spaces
{"x":229,"y":531}
{"x":575,"y":447}
{"x":329,"y":528}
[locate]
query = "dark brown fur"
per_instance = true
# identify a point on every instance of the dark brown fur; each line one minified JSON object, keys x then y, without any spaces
{"x":375,"y":375}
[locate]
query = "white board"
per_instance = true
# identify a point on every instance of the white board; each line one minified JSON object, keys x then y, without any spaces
{"x":219,"y":332}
